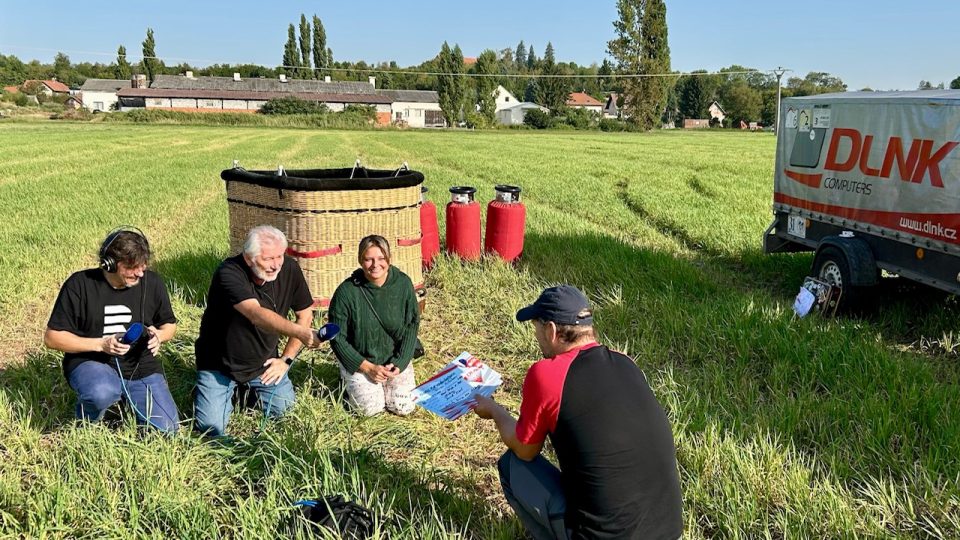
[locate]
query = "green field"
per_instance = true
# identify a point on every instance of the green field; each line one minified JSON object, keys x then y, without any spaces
{"x":786,"y":428}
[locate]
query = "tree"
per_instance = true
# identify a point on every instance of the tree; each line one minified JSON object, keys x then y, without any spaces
{"x":641,"y":47}
{"x":695,"y":92}
{"x":816,"y":82}
{"x":291,"y":56}
{"x":150,"y":62}
{"x":487,"y":65}
{"x":741,"y":102}
{"x":955,"y":84}
{"x":604,"y":79}
{"x":12,"y":70}
{"x":553,"y":91}
{"x":450,"y":87}
{"x":320,"y":59}
{"x":520,"y":56}
{"x":122,"y":70}
{"x":306,"y":72}
{"x":925,"y":85}
{"x":531,"y":58}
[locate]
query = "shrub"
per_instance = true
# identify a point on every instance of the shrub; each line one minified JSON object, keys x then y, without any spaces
{"x":537,"y":119}
{"x":292,"y":105}
{"x":578,"y":118}
{"x":476,"y":120}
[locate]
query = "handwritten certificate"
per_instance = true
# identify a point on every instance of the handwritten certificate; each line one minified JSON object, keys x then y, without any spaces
{"x":449,"y":393}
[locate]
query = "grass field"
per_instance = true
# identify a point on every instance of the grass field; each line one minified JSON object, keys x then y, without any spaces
{"x":786,"y":428}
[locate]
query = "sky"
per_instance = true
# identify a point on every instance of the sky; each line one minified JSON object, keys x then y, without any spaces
{"x":880,"y":44}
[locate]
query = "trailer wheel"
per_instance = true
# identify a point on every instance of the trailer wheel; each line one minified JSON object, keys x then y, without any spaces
{"x":831,"y":267}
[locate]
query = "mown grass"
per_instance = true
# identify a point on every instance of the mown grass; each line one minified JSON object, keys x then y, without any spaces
{"x":786,"y":428}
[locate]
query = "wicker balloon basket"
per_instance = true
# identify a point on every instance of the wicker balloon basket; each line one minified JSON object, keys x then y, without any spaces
{"x":325,"y":213}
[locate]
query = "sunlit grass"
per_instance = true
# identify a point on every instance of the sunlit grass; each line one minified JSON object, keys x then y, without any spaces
{"x":786,"y":428}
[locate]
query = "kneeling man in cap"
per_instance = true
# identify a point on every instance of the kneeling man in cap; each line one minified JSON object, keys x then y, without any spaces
{"x":611,"y":436}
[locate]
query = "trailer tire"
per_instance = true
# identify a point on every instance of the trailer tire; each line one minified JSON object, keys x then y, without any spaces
{"x":831,"y":267}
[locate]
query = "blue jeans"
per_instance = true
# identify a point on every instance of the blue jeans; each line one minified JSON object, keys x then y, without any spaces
{"x":213,"y":402}
{"x":534,"y":492}
{"x":98,"y":386}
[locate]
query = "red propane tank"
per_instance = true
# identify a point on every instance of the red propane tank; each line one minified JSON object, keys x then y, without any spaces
{"x":506,"y":221}
{"x":430,"y":245}
{"x":463,"y":223}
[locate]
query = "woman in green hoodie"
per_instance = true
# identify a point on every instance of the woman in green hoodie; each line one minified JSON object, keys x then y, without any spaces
{"x":376,"y":309}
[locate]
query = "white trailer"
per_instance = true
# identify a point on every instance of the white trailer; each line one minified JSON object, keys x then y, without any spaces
{"x":870,"y":181}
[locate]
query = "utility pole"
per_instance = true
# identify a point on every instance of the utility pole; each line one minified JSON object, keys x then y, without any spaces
{"x":779,"y":73}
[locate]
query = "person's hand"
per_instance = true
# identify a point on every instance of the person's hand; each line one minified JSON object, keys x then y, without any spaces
{"x":392,"y":370}
{"x":276,"y":369}
{"x":374,"y":373}
{"x":484,"y":406}
{"x":112,"y":346}
{"x":154,"y":342}
{"x":308,"y":337}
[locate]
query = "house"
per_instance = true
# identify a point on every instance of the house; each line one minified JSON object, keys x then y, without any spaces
{"x":73,"y":102}
{"x":48,"y":87}
{"x":611,"y":109}
{"x":512,"y":116}
{"x":503,"y":98}
{"x":469,"y":60}
{"x":11,"y":89}
{"x":219,"y":94}
{"x":716,"y":112}
{"x":696,"y":123}
{"x":582,"y":100}
{"x":415,"y":108}
{"x":101,"y":94}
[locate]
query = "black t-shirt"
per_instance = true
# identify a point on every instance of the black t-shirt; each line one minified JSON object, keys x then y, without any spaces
{"x":228,"y":341}
{"x":613,"y":442}
{"x":90,"y":307}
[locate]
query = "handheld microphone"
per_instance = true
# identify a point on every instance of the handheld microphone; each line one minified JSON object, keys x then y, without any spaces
{"x":327,"y":332}
{"x":133,"y":334}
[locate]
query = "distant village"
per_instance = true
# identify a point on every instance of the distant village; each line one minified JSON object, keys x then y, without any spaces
{"x":411,"y":108}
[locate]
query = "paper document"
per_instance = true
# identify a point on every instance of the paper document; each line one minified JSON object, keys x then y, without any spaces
{"x":449,"y":393}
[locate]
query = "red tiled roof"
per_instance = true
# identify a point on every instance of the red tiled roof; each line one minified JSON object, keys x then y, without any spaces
{"x":228,"y":94}
{"x":55,"y":86}
{"x":469,"y":60}
{"x":11,"y":89}
{"x":580,"y":99}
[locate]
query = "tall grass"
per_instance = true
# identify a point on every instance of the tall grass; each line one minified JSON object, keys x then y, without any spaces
{"x":786,"y":428}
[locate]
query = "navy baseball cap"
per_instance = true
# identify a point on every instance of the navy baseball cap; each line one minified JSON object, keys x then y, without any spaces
{"x":563,"y":304}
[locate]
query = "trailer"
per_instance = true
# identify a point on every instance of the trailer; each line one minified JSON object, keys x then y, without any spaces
{"x":870,"y":181}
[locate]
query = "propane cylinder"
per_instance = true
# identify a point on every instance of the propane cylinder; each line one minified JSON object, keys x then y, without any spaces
{"x":463,"y":223}
{"x":506,"y":222}
{"x":430,"y":245}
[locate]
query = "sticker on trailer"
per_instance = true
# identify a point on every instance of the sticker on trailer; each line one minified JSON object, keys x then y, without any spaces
{"x":797,"y":226}
{"x":821,"y":117}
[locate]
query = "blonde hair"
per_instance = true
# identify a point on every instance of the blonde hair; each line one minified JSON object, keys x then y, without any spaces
{"x":374,"y":240}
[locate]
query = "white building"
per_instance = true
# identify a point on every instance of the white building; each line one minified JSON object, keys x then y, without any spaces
{"x":101,"y":94}
{"x":504,"y":99}
{"x":513,"y":116}
{"x":415,"y":108}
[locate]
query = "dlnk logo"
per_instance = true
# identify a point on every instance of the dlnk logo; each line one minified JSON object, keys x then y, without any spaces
{"x":850,"y":149}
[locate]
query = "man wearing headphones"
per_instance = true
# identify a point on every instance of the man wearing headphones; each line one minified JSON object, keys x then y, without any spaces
{"x":95,"y":311}
{"x":250,"y":297}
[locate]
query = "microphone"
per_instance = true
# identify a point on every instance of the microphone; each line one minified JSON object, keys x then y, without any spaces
{"x":327,"y":332}
{"x":133,"y":334}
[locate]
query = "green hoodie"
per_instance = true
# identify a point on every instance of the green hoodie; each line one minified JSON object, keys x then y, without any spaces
{"x":362,"y":337}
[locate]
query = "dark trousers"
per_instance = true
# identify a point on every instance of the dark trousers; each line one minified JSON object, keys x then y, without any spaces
{"x":534,"y":492}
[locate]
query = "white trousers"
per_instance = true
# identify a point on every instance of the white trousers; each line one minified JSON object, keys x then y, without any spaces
{"x":370,"y":398}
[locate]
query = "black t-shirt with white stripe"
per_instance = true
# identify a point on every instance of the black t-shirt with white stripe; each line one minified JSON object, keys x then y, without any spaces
{"x":90,"y":307}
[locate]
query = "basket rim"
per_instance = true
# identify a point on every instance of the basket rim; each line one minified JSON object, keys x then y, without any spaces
{"x":346,"y":179}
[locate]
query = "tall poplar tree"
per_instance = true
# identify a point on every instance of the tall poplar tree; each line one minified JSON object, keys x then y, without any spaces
{"x":320,"y":60}
{"x":306,"y":72}
{"x":486,"y":65}
{"x":531,"y":58}
{"x":552,"y":91}
{"x":122,"y":71}
{"x":291,"y":56}
{"x":641,"y":47}
{"x":450,"y":84}
{"x":150,"y":62}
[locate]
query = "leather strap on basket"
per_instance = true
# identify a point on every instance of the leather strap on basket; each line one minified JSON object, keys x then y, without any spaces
{"x":314,"y":254}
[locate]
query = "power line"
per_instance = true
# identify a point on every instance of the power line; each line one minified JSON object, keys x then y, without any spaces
{"x":427,"y":73}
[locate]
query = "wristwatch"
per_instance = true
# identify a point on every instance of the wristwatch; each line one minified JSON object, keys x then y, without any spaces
{"x":288,"y":360}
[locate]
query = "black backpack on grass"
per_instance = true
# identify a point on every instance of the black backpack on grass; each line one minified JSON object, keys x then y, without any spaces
{"x":351,"y":520}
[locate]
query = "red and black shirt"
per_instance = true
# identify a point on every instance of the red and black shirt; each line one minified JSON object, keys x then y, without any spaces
{"x":613,"y":442}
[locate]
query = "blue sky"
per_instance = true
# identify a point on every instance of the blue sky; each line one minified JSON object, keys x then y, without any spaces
{"x":882,"y":44}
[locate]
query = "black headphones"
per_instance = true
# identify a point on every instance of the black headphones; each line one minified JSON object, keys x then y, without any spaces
{"x":107,"y":263}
